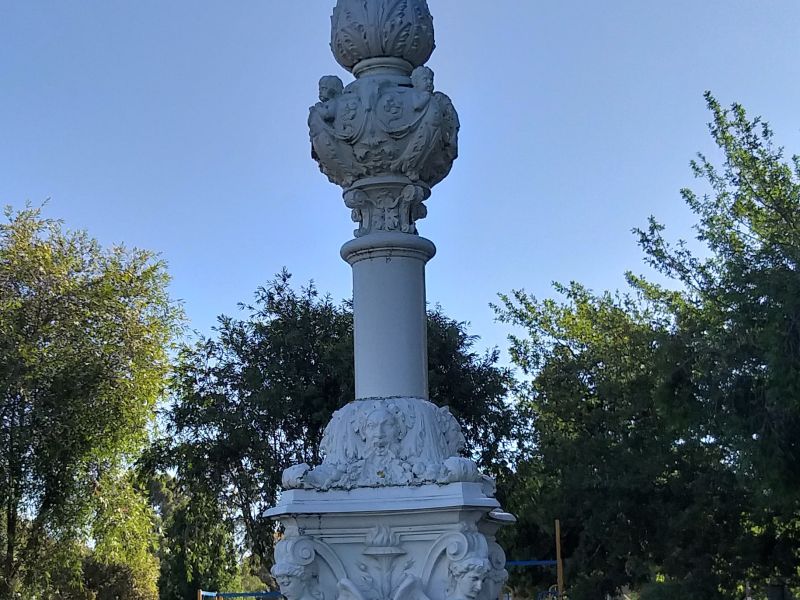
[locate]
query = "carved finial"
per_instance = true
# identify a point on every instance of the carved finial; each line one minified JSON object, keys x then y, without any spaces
{"x":395,"y":29}
{"x":386,"y":138}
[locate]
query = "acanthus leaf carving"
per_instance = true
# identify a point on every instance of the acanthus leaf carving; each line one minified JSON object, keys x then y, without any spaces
{"x":364,"y":30}
{"x":386,"y":208}
{"x":389,"y":442}
{"x":347,"y":590}
{"x":383,"y":549}
{"x":498,"y":575}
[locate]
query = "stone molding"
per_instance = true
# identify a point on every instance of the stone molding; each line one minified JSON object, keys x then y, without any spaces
{"x":387,"y":245}
{"x":369,"y":500}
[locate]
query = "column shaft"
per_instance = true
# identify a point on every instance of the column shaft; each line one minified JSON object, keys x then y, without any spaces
{"x":391,"y":357}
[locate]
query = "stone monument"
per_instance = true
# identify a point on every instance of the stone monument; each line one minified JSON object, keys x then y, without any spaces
{"x":394,"y":511}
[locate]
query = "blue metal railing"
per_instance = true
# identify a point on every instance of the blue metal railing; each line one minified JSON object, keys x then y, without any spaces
{"x":531,"y":563}
{"x":205,"y":594}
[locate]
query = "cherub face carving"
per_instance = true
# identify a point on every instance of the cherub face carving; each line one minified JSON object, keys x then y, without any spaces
{"x":422,"y":79}
{"x":330,"y":87}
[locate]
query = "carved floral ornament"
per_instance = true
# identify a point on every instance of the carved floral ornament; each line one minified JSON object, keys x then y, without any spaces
{"x":389,"y":442}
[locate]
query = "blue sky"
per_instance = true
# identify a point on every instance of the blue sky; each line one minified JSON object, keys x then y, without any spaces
{"x":180,"y":126}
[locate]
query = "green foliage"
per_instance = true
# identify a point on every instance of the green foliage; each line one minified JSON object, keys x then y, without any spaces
{"x":741,"y":317}
{"x":666,"y":423}
{"x":114,"y":581}
{"x":125,"y":540}
{"x":253,"y":573}
{"x":198,"y":550}
{"x":664,"y":591}
{"x":474,"y":388}
{"x":255,"y":399}
{"x":83,"y":358}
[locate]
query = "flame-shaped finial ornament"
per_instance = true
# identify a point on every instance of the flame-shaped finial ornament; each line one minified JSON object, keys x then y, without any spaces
{"x":369,"y":29}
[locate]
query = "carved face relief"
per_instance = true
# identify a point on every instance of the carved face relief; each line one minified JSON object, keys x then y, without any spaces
{"x":293,"y":580}
{"x":422,"y":79}
{"x":467,"y":577}
{"x":330,"y":87}
{"x":381,"y":431}
{"x":291,"y":587}
{"x":376,"y":443}
{"x":469,"y":585}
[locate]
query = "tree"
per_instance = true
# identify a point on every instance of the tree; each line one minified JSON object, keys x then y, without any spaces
{"x":666,"y":420}
{"x":197,"y":548}
{"x":475,"y":389}
{"x":83,"y":358}
{"x":256,"y":398}
{"x":122,"y":565}
{"x":609,"y":455}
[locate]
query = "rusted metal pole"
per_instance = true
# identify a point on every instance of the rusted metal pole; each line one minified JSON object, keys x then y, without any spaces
{"x":560,"y":565}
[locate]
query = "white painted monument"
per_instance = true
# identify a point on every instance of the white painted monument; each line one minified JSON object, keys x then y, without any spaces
{"x":393,"y":512}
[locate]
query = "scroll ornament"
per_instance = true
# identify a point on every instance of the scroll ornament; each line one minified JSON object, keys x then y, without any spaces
{"x":296,"y":570}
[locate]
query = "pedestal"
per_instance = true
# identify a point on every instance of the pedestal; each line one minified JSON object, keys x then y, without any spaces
{"x":392,"y":543}
{"x":392,"y":513}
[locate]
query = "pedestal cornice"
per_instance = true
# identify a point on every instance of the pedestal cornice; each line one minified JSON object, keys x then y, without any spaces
{"x":462,"y":496}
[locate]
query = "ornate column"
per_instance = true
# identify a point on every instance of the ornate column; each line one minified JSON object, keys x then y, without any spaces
{"x":394,"y":512}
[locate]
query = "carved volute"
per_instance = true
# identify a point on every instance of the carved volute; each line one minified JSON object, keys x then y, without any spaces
{"x":387,"y":137}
